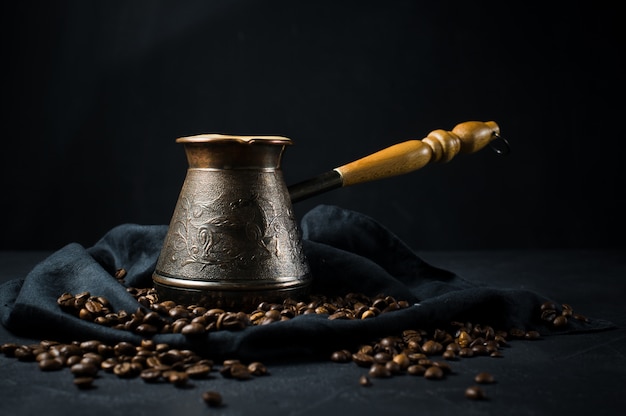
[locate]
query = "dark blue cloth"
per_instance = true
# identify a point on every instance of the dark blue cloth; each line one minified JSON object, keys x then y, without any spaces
{"x":347,"y":252}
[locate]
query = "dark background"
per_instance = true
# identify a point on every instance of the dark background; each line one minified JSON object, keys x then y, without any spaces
{"x":95,"y":94}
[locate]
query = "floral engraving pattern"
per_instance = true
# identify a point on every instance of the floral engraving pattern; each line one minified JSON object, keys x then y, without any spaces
{"x":239,"y":233}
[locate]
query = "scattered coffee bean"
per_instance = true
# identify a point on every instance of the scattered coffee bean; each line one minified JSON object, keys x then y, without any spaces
{"x":365,"y":381}
{"x":84,"y":370}
{"x":416,"y":370}
{"x":83,"y":382}
{"x":433,"y":373}
{"x":560,"y":321}
{"x":258,"y":369}
{"x":475,"y":393}
{"x":484,"y":378}
{"x":51,"y":364}
{"x":532,"y":335}
{"x":378,"y":370}
{"x":120,"y":274}
{"x":212,"y":398}
{"x":342,"y":356}
{"x":198,"y":371}
{"x":150,"y":375}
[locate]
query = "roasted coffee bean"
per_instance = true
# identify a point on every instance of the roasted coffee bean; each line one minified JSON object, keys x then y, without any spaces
{"x":150,"y":375}
{"x":178,"y":325}
{"x":170,"y":357}
{"x":84,"y":370}
{"x":491,"y":346}
{"x":153,"y":318}
{"x":393,"y":367}
{"x":517,"y":333}
{"x":198,"y":371}
{"x":238,"y":321}
{"x":416,"y":357}
{"x":425,"y":362}
{"x":434,"y":373}
{"x":51,"y":364}
{"x":480,"y":350}
{"x":83,"y":382}
{"x":177,"y":378}
{"x":370,"y":313}
{"x":258,"y":369}
{"x":378,"y":370}
{"x":192,"y":329}
{"x":66,"y":300}
{"x":80,"y":299}
{"x":548,"y":315}
{"x":342,"y":356}
{"x":71,"y":360}
{"x":93,"y":306}
{"x":91,"y":358}
{"x":212,"y":398}
{"x":454,"y":347}
{"x":24,"y":353}
{"x":179,"y":312}
{"x":416,"y":370}
{"x":580,"y":317}
{"x":382,"y":357}
{"x":387,"y":343}
{"x":463,"y":339}
{"x":402,"y":360}
{"x":532,"y":335}
{"x":560,"y":321}
{"x":567,"y":310}
{"x":475,"y":393}
{"x":90,"y":346}
{"x":362,"y":359}
{"x":8,"y":349}
{"x":225,"y":370}
{"x":341,"y":314}
{"x":85,"y":315}
{"x":484,"y":378}
{"x":125,"y":348}
{"x":444,"y":366}
{"x":431,"y":347}
{"x":120,"y":274}
{"x":240,"y":372}
{"x":366,"y":349}
{"x":477,"y":341}
{"x":108,"y":364}
{"x":365,"y":381}
{"x":127,"y":370}
{"x":466,"y":352}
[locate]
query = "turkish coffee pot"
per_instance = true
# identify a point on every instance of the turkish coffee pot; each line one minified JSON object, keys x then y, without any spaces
{"x":233,"y":239}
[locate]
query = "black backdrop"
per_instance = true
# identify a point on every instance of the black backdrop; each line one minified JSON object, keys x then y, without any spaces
{"x":96,"y":92}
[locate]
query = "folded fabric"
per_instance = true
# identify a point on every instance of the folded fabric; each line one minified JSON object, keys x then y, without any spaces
{"x":348,"y":253}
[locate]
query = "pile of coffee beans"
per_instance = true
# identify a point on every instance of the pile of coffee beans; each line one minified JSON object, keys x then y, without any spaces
{"x":153,"y":316}
{"x":416,"y":352}
{"x":558,"y":315}
{"x":149,"y":361}
{"x":428,"y":353}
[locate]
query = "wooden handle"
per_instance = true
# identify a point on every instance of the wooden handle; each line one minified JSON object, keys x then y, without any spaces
{"x":405,"y":157}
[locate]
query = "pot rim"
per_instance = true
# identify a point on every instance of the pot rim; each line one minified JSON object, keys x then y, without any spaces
{"x":244,"y":139}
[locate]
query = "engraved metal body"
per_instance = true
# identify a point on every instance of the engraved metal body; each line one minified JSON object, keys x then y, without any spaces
{"x":233,"y":239}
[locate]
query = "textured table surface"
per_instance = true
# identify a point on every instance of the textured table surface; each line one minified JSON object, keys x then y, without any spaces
{"x":563,"y":374}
